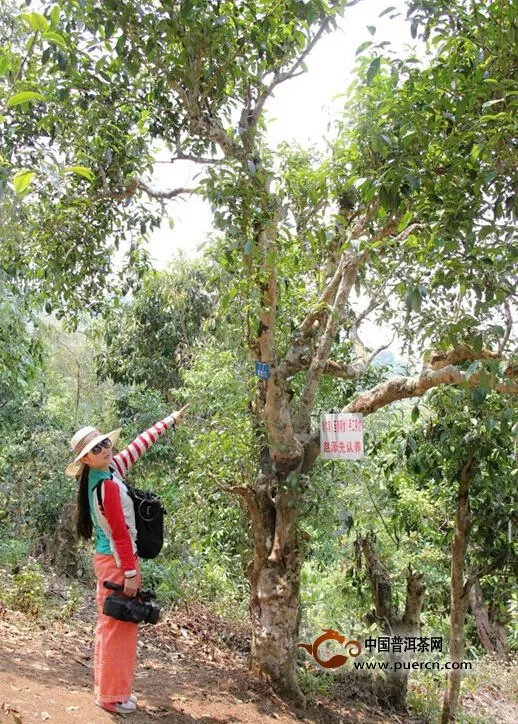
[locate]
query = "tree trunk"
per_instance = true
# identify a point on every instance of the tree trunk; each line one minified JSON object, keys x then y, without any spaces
{"x":499,"y":629}
{"x":393,"y":624}
{"x":62,"y":547}
{"x":459,"y":595}
{"x":274,"y":576}
{"x":489,"y":632}
{"x":275,"y":614}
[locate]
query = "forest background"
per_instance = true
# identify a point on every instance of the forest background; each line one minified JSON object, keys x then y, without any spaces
{"x":403,"y":220}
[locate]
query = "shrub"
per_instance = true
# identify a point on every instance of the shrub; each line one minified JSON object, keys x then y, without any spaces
{"x":27,"y":591}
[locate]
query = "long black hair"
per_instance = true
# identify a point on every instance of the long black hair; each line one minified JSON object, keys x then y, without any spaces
{"x":84,"y":526}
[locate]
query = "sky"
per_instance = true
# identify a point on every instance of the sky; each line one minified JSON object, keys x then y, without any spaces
{"x":301,"y":110}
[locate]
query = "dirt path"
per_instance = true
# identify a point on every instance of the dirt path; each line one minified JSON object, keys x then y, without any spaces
{"x":191,"y":667}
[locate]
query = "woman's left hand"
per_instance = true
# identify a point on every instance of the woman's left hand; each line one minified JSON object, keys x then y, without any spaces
{"x":178,"y":415}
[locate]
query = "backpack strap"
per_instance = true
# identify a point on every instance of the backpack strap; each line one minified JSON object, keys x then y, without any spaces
{"x":97,"y":488}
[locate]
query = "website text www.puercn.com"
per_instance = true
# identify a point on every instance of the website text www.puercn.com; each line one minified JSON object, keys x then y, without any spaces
{"x":413,"y":666}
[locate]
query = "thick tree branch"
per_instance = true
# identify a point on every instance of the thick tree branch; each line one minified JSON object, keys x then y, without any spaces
{"x":285,"y":518}
{"x":194,"y":159}
{"x":482,"y":571}
{"x":248,"y":494}
{"x":400,"y":388}
{"x":463,"y":352}
{"x":157,"y":194}
{"x":301,"y":361}
{"x":285,"y":449}
{"x":320,"y":310}
{"x":323,"y":301}
{"x":136,"y":185}
{"x":394,"y":241}
{"x":205,"y":125}
{"x":334,"y":369}
{"x":117,"y":194}
{"x":321,"y":356}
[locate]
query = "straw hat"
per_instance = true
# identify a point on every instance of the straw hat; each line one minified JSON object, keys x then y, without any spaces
{"x":83,"y":441}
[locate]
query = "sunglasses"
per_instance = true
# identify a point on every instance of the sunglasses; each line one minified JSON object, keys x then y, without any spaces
{"x":106,"y":443}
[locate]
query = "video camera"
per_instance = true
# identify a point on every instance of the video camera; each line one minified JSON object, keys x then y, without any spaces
{"x":140,"y":609}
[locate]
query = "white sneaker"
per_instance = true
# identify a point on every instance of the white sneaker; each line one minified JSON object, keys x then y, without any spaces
{"x":119,"y":707}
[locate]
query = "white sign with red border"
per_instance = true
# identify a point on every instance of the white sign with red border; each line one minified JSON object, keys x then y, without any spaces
{"x":341,"y":436}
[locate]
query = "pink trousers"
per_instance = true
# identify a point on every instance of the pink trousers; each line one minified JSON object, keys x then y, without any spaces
{"x":115,"y":641}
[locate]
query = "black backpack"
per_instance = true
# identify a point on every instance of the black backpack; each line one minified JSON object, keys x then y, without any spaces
{"x":149,"y":520}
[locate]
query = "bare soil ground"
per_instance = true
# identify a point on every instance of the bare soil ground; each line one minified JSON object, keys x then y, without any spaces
{"x":192,"y":667}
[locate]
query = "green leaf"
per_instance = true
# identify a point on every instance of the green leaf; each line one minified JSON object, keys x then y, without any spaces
{"x":487,"y":104}
{"x":24,"y":97}
{"x":54,"y":15}
{"x":51,"y":36}
{"x":109,"y":29}
{"x":478,"y":396}
{"x":363,"y":47}
{"x":35,"y":21}
{"x":415,"y":413}
{"x":80,"y":171}
{"x":413,"y":299}
{"x":405,"y":221}
{"x":475,"y":151}
{"x":478,"y":343}
{"x":371,"y":29}
{"x":373,"y":70}
{"x":62,"y":60}
{"x":386,"y":11}
{"x":472,"y":369}
{"x":5,"y":63}
{"x":360,"y":182}
{"x":22,"y":179}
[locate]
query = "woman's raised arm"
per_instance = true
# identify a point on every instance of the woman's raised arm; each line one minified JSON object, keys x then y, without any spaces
{"x":127,"y":457}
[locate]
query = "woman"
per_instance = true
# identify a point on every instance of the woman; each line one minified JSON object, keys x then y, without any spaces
{"x":115,"y":556}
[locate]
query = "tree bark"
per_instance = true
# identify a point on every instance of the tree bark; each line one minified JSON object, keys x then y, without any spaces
{"x":274,"y":576}
{"x":275,"y":614}
{"x":459,"y":594}
{"x":393,"y":624}
{"x":401,"y":388}
{"x":499,"y":631}
{"x":63,"y":548}
{"x":489,"y":632}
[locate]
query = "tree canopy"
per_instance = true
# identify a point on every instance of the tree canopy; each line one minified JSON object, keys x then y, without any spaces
{"x":406,"y":219}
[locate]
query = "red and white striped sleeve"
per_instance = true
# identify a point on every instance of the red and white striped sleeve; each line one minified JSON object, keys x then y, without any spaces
{"x":127,"y":457}
{"x":115,"y":517}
